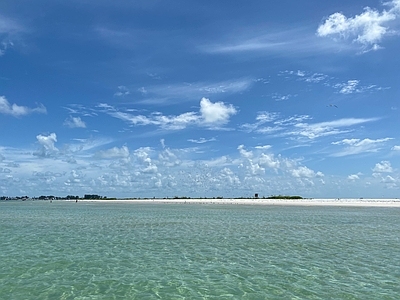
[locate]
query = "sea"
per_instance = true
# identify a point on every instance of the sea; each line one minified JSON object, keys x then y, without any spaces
{"x":92,"y":250}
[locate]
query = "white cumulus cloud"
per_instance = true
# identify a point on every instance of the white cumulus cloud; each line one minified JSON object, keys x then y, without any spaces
{"x":303,"y":171}
{"x":16,"y":110}
{"x":383,"y":167}
{"x":114,"y":152}
{"x":353,"y":177}
{"x":47,"y":147}
{"x":269,"y":161}
{"x":367,"y":28}
{"x":216,"y":113}
{"x":74,"y":122}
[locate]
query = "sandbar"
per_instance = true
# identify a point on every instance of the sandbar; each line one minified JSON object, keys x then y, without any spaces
{"x":285,"y":202}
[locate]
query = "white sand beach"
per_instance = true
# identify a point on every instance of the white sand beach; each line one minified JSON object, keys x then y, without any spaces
{"x":296,"y":202}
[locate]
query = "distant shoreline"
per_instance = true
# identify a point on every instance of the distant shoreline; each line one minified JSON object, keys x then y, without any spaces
{"x":283,"y":202}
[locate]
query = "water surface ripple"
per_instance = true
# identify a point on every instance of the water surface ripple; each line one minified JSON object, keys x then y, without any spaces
{"x":67,"y":250}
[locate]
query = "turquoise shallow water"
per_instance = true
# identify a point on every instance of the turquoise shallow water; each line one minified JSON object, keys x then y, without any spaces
{"x":67,"y":250}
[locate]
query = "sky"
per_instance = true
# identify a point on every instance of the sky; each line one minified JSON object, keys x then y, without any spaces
{"x":152,"y":98}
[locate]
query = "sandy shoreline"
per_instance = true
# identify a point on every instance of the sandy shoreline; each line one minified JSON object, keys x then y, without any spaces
{"x":285,"y":202}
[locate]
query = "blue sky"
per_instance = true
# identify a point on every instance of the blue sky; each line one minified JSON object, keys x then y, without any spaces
{"x":200,"y":98}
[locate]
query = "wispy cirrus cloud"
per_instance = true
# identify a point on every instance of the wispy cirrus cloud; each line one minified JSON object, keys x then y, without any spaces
{"x":299,"y":127}
{"x":353,"y":86}
{"x":122,"y":91}
{"x":87,"y":145}
{"x":9,"y":26}
{"x":261,"y":119}
{"x":270,"y":41}
{"x":11,"y":31}
{"x":79,"y":109}
{"x":16,"y":110}
{"x":301,"y":75}
{"x":316,"y":130}
{"x":367,"y":29}
{"x":280,"y":97}
{"x":358,"y":146}
{"x":202,"y":140}
{"x":272,"y":123}
{"x":170,"y":93}
{"x":121,"y":38}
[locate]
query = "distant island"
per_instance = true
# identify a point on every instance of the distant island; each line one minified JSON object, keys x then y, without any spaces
{"x":284,"y":197}
{"x":98,"y":197}
{"x":51,"y":197}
